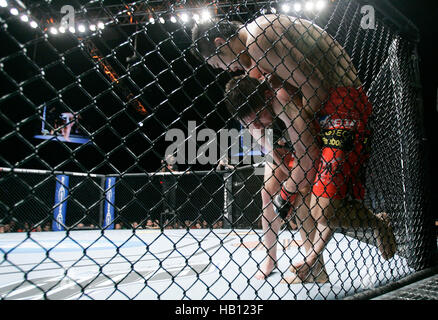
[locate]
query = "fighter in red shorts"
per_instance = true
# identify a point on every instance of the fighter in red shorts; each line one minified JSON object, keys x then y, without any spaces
{"x":294,"y":52}
{"x":342,"y":136}
{"x":344,"y":144}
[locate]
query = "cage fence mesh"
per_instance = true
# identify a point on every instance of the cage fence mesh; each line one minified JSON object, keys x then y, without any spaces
{"x":92,"y":94}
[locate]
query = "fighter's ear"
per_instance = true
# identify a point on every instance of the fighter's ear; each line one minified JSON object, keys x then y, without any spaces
{"x":269,"y":94}
{"x":219,"y":42}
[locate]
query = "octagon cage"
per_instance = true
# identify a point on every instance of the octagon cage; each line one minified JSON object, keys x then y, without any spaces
{"x":126,"y":174}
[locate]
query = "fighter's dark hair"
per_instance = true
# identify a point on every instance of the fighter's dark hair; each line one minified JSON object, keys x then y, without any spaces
{"x":203,"y":35}
{"x":245,"y":95}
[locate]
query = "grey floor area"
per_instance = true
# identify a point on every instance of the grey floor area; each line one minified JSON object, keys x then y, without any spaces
{"x":178,"y":264}
{"x":425,"y":289}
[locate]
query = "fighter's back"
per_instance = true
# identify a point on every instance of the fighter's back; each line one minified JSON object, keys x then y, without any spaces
{"x":309,"y":53}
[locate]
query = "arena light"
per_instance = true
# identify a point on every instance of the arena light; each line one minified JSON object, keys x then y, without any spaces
{"x":24,"y":18}
{"x":72,"y":29}
{"x":61,"y":29}
{"x":205,"y":15}
{"x":320,"y":5}
{"x":161,"y":19}
{"x":14,"y":11}
{"x":3,"y":3}
{"x":92,"y":27}
{"x":273,"y":10}
{"x":184,"y":17}
{"x":53,"y":30}
{"x":100,"y":25}
{"x":81,"y":28}
{"x":196,"y":17}
{"x":309,"y":6}
{"x":151,"y":20}
{"x":285,"y":8}
{"x":33,"y":24}
{"x":297,"y":7}
{"x":173,"y":19}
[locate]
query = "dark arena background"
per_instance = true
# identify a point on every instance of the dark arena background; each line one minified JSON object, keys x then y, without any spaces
{"x":90,"y":209}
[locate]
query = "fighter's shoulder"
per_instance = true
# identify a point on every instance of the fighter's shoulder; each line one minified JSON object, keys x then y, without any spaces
{"x":273,"y":25}
{"x":260,"y":30}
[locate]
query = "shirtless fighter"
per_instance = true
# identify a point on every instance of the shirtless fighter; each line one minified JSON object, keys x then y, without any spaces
{"x":301,"y":60}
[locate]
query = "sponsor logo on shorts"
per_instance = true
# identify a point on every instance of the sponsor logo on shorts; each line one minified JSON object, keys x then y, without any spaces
{"x":337,"y":138}
{"x":327,"y":122}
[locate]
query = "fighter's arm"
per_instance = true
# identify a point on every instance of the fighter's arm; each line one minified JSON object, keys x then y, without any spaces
{"x":302,"y":173}
{"x":302,"y":136}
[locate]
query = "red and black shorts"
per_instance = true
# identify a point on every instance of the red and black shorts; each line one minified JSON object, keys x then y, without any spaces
{"x":345,"y":145}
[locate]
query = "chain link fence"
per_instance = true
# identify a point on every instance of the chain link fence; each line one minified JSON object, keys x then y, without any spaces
{"x":121,"y":130}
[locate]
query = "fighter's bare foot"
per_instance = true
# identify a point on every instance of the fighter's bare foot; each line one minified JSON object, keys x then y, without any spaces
{"x":265,"y":269}
{"x":303,"y":273}
{"x":385,"y":237}
{"x":321,"y":277}
{"x":295,"y":266}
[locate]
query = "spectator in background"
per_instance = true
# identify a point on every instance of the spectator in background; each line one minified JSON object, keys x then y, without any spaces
{"x":224,"y":165}
{"x":2,"y":228}
{"x":13,"y":227}
{"x":168,"y":164}
{"x":152,"y":224}
{"x":168,"y":225}
{"x":37,"y":229}
{"x":25,"y":228}
{"x":69,"y":120}
{"x":169,"y":184}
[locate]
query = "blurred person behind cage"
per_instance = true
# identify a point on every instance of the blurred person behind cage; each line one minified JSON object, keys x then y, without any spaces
{"x":224,"y":165}
{"x":169,"y":185}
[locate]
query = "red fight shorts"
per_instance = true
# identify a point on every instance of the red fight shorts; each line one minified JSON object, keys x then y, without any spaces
{"x":344,"y":140}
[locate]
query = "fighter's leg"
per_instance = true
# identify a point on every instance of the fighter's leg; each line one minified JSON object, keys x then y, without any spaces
{"x":348,"y":177}
{"x":305,"y":222}
{"x":337,"y":213}
{"x":271,"y":223}
{"x":354,"y":214}
{"x":317,"y":232}
{"x":330,"y":185}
